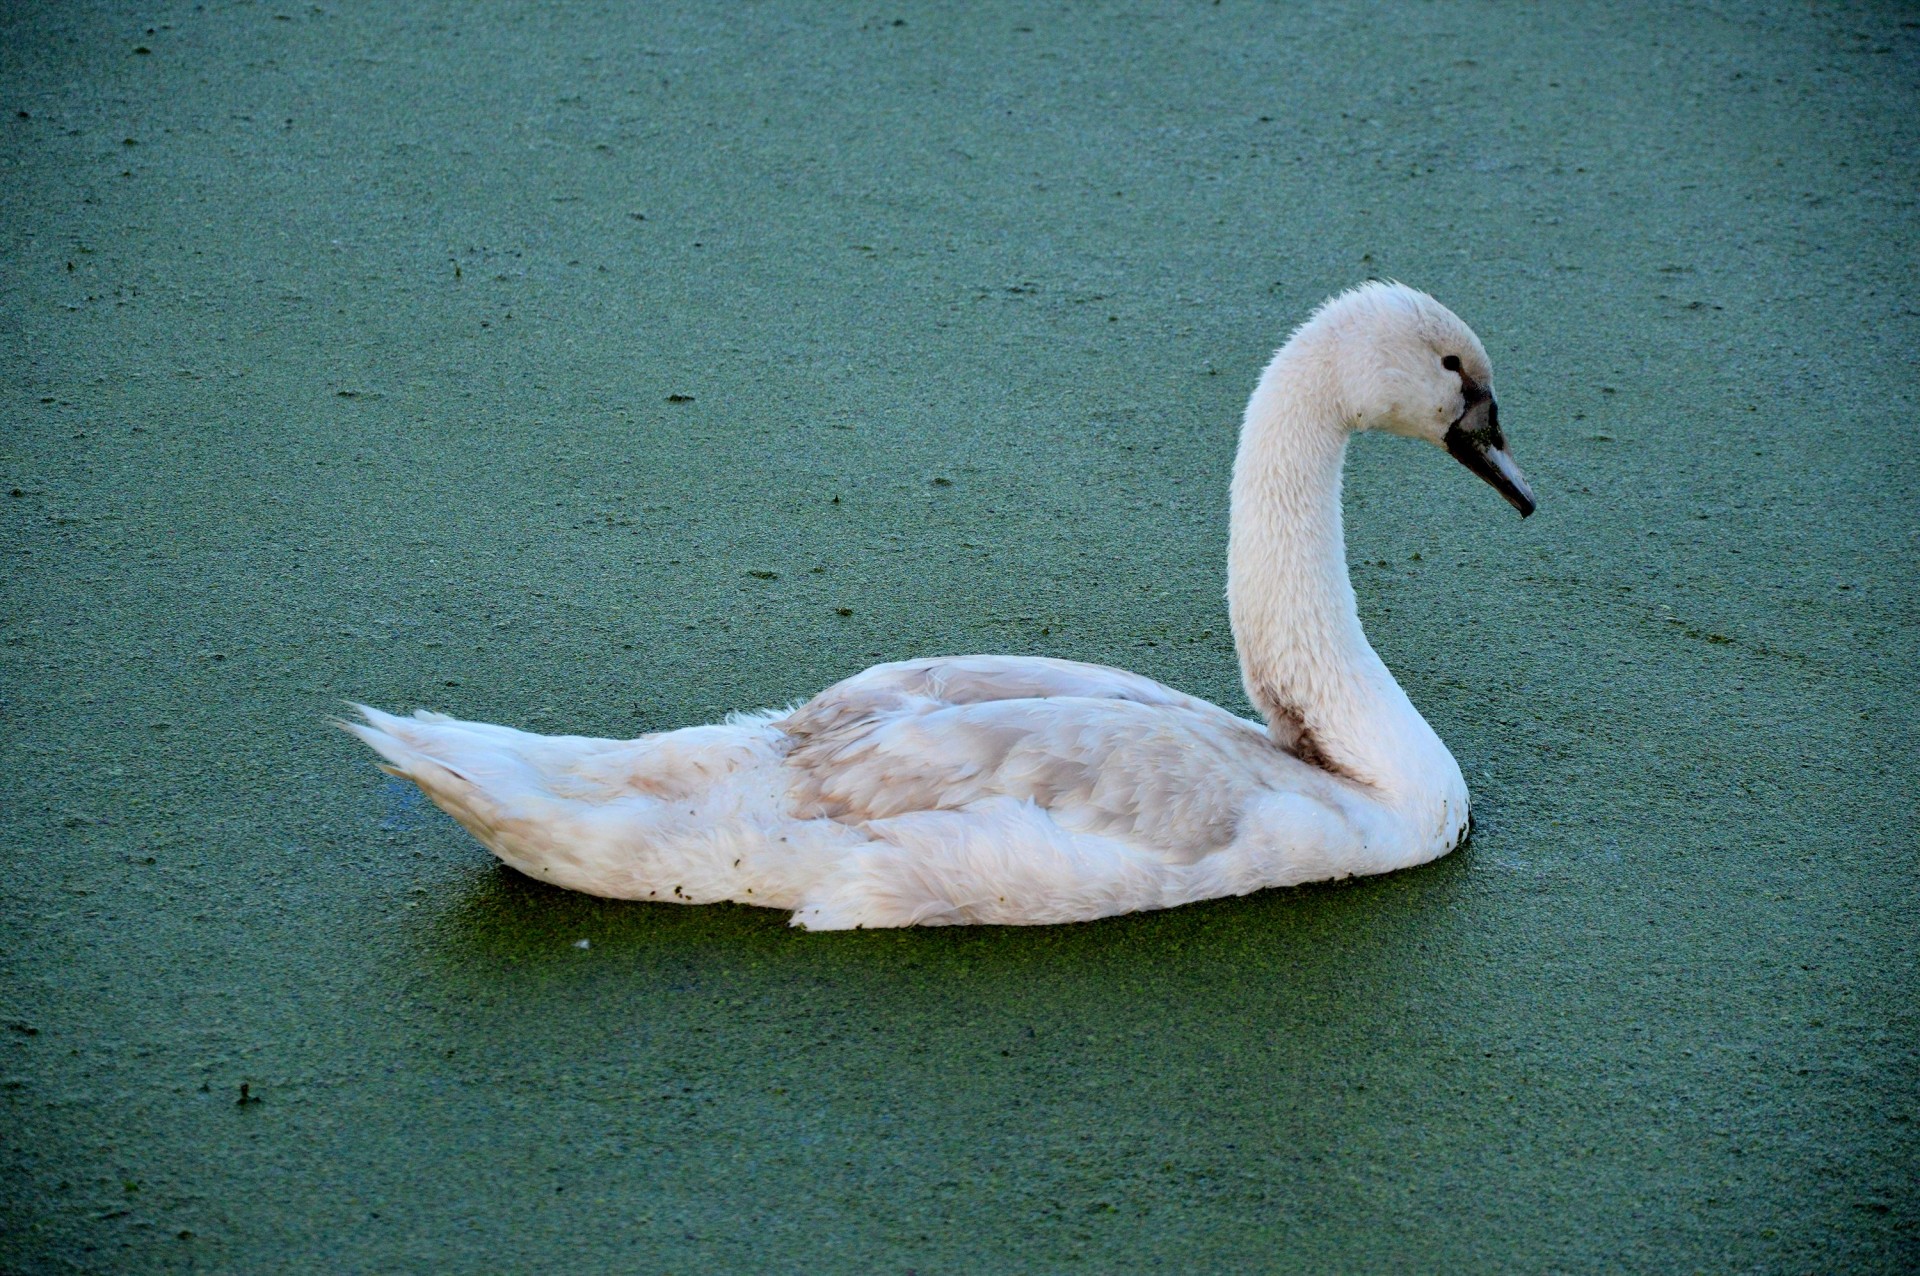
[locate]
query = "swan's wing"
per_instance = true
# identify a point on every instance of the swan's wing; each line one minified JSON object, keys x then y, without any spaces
{"x":1101,"y":750}
{"x":944,"y":681}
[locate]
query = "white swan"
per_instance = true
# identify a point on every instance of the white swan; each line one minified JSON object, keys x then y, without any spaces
{"x":1024,"y":790}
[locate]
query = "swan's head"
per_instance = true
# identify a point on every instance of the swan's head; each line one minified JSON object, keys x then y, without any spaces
{"x":1407,"y":365}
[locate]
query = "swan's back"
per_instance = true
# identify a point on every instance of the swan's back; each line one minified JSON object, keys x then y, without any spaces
{"x":997,"y":789}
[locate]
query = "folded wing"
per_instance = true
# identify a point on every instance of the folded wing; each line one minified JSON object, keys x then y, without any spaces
{"x":1100,"y":750}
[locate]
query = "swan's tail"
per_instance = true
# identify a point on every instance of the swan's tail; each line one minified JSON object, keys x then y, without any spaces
{"x":610,"y":817}
{"x":499,"y":783}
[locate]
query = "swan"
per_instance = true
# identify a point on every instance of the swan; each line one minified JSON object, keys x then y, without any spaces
{"x":1025,"y":790}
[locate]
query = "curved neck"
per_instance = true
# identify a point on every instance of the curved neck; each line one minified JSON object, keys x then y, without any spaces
{"x":1306,"y":663}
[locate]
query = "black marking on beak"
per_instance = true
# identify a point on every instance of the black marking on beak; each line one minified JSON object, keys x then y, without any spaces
{"x":1475,"y":441}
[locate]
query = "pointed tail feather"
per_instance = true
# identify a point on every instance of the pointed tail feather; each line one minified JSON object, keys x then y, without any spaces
{"x":506,"y":787}
{"x":387,"y":735}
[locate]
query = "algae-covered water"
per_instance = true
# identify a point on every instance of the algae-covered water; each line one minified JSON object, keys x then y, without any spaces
{"x":605,"y":368}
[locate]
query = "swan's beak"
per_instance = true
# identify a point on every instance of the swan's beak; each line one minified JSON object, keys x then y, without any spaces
{"x":1476,"y":442}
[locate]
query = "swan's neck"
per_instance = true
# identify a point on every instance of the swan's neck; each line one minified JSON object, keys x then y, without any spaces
{"x":1306,"y":663}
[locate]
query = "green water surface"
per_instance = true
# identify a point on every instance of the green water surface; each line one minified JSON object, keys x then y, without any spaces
{"x":605,"y":368}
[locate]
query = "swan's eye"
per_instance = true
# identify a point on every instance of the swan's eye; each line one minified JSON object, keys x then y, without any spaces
{"x":1451,"y":363}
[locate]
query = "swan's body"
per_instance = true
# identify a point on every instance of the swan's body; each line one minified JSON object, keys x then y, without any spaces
{"x":1021,"y":790}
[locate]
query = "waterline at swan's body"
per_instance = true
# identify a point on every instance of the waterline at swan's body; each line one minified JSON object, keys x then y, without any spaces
{"x":1021,"y":790}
